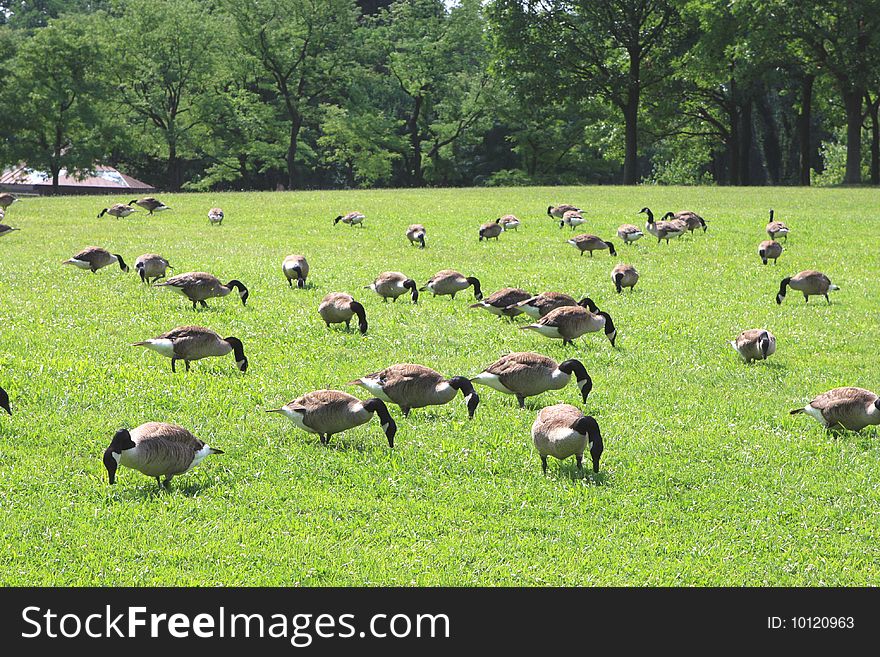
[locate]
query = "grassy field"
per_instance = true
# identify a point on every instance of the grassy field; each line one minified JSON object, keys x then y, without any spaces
{"x":706,"y":478}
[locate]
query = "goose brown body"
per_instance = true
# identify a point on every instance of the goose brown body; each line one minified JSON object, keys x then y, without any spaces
{"x":526,"y":374}
{"x":585,"y":242}
{"x":150,"y":204}
{"x":451,"y":282}
{"x":504,"y":302}
{"x":571,"y":219}
{"x":197,"y":286}
{"x":540,"y":305}
{"x":393,"y":284}
{"x":809,"y":283}
{"x":189,"y":343}
{"x":509,"y":222}
{"x":151,"y":265}
{"x":339,"y":308}
{"x":352,"y":219}
{"x":118,"y":210}
{"x":559,"y":211}
{"x":215,"y":216}
{"x":416,"y":235}
{"x":5,"y":230}
{"x":416,"y":386}
{"x":491,"y":229}
{"x":570,"y":322}
{"x":755,"y":344}
{"x":562,"y":431}
{"x":777,"y":229}
{"x":624,"y":276}
{"x":629,"y":233}
{"x":295,"y":267}
{"x":94,"y":258}
{"x":848,"y":408}
{"x":7,"y":199}
{"x":769,"y":250}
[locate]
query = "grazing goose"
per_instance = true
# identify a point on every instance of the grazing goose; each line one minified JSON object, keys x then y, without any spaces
{"x":327,"y":412}
{"x":755,"y":344}
{"x":491,"y":229}
{"x":559,"y":211}
{"x":451,"y":282}
{"x":416,"y":386}
{"x":6,"y":200}
{"x":509,"y":222}
{"x":570,"y":322}
{"x":538,"y":306}
{"x":118,"y":210}
{"x":156,"y":449}
{"x":663,"y":230}
{"x":850,"y":408}
{"x":629,"y":233}
{"x":691,"y":220}
{"x":150,"y":204}
{"x":94,"y":257}
{"x":5,"y":230}
{"x":810,"y":283}
{"x":503,"y":302}
{"x":624,"y":276}
{"x":571,"y":219}
{"x":151,"y":265}
{"x":339,"y":307}
{"x":4,"y":401}
{"x":198,"y":286}
{"x":776,"y":229}
{"x":526,"y":374}
{"x":215,"y":216}
{"x":769,"y":250}
{"x":189,"y":343}
{"x":352,"y":218}
{"x":562,"y":431}
{"x":392,"y":284}
{"x":591,"y":243}
{"x":295,"y":266}
{"x":416,"y":233}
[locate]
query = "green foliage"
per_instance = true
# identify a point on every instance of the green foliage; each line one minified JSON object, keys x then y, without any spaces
{"x":363,"y":146}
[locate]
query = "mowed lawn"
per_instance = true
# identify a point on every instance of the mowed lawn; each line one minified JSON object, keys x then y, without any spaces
{"x":706,"y":479}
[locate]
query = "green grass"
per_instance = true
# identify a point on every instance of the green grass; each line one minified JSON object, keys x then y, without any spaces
{"x":706,"y":478}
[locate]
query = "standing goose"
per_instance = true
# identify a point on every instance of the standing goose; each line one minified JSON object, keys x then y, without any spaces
{"x":571,"y":219}
{"x":850,"y":408}
{"x":6,"y":200}
{"x":392,"y":284}
{"x":559,"y":211}
{"x":151,"y":265}
{"x":624,"y":276}
{"x":776,"y":229}
{"x":451,"y":282}
{"x":526,"y":374}
{"x":416,"y":386}
{"x":571,"y":322}
{"x":5,"y":230}
{"x":691,"y":220}
{"x":562,"y":431}
{"x":491,"y":229}
{"x":4,"y":401}
{"x":663,"y":230}
{"x":755,"y":344}
{"x":118,"y":210}
{"x":538,"y":306}
{"x":188,"y":343}
{"x":199,"y":285}
{"x":150,"y":204}
{"x":503,"y":302}
{"x":591,"y":243}
{"x":416,"y":233}
{"x":352,"y":218}
{"x":339,"y":307}
{"x":327,"y":412}
{"x":509,"y":222}
{"x":629,"y":233}
{"x":295,"y":266}
{"x":769,"y":250}
{"x":810,"y":283}
{"x":215,"y":216}
{"x":94,"y":257}
{"x":156,"y":449}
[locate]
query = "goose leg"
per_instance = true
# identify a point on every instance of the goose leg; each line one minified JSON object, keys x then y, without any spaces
{"x":159,"y":483}
{"x":186,"y":362}
{"x":544,"y":464}
{"x":204,"y":305}
{"x":289,"y":283}
{"x":406,"y":411}
{"x":194,"y":305}
{"x":827,"y":299}
{"x":521,"y":399}
{"x":167,"y":482}
{"x":580,"y":462}
{"x":173,"y":368}
{"x":348,"y":325}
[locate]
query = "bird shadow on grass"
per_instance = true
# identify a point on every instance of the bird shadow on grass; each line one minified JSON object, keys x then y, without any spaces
{"x":587,"y":476}
{"x":188,"y":486}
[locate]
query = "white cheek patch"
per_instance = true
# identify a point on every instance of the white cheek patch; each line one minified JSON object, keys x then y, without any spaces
{"x":116,"y":456}
{"x":385,"y":427}
{"x":581,"y":384}
{"x":199,"y":456}
{"x":591,"y":445}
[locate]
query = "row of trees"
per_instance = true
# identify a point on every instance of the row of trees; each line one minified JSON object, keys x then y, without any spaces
{"x":261,"y":94}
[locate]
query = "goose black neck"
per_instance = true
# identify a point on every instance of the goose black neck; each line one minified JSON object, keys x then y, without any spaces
{"x":4,"y":401}
{"x":588,"y":427}
{"x":478,"y":292}
{"x":358,"y":310}
{"x":410,"y":285}
{"x":242,"y":290}
{"x":668,"y":215}
{"x":611,"y":248}
{"x":377,"y":406}
{"x":587,"y":303}
{"x":609,"y":325}
{"x":549,"y":210}
{"x":782,"y":286}
{"x":300,"y":281}
{"x":103,"y":212}
{"x":771,"y":215}
{"x":337,"y":220}
{"x":467,"y":391}
{"x":576,"y":367}
{"x":140,"y":270}
{"x":764,"y":344}
{"x":122,"y":265}
{"x":618,"y":277}
{"x":650,"y":214}
{"x":238,"y":352}
{"x":133,"y":201}
{"x":422,"y":239}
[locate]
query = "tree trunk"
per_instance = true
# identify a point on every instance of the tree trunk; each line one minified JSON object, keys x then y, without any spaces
{"x":874,"y":112}
{"x":852,"y":101}
{"x":631,"y":119}
{"x":733,"y":146}
{"x":745,"y":143}
{"x":295,"y":126}
{"x":803,"y":127}
{"x":55,"y":169}
{"x":173,"y":170}
{"x":416,"y":178}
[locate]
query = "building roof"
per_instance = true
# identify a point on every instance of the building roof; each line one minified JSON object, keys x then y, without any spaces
{"x":100,"y":179}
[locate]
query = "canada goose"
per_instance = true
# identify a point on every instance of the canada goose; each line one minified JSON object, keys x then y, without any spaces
{"x":503,"y":302}
{"x":570,"y":322}
{"x":150,"y":204}
{"x":295,"y":266}
{"x":339,"y":307}
{"x":776,"y":229}
{"x":94,"y":257}
{"x":810,"y":283}
{"x":769,"y":250}
{"x":415,"y":386}
{"x":151,"y":265}
{"x":663,"y":230}
{"x":591,"y":243}
{"x":755,"y":344}
{"x":4,"y":401}
{"x":416,"y":233}
{"x":327,"y":412}
{"x":352,"y":218}
{"x":6,"y":200}
{"x":563,"y":430}
{"x":526,"y":374}
{"x":538,"y":306}
{"x":392,"y":284}
{"x":624,"y":276}
{"x":559,"y":211}
{"x":850,"y":408}
{"x":451,"y":282}
{"x":691,"y":220}
{"x":491,"y":229}
{"x":198,"y":286}
{"x":156,"y":449}
{"x":215,"y":216}
{"x":509,"y":222}
{"x":189,"y":343}
{"x":5,"y":230}
{"x":2,"y":213}
{"x":571,"y":219}
{"x":118,"y":210}
{"x":629,"y":233}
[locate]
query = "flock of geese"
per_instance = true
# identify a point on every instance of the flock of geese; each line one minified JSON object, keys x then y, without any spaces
{"x":159,"y":449}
